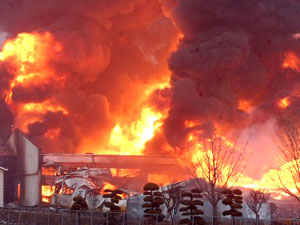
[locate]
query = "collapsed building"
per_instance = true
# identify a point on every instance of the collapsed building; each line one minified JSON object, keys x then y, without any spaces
{"x":33,"y":177}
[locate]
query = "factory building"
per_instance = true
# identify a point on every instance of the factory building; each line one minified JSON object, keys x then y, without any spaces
{"x":31,"y":176}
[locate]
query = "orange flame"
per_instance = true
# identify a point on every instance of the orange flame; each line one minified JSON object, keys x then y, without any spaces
{"x":244,"y":105}
{"x":291,"y":61}
{"x":115,"y":172}
{"x":284,"y":102}
{"x":130,"y":139}
{"x":30,"y":54}
{"x":53,"y":133}
{"x":44,"y":107}
{"x":269,"y":182}
{"x":107,"y":185}
{"x":47,"y":192}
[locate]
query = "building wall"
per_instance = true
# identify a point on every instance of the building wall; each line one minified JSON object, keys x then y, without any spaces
{"x":10,"y":190}
{"x":29,"y":170}
{"x":2,"y":171}
{"x":247,"y":212}
{"x":134,"y":206}
{"x":1,"y":188}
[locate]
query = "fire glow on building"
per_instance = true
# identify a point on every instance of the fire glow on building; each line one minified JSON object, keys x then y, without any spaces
{"x":151,"y":77}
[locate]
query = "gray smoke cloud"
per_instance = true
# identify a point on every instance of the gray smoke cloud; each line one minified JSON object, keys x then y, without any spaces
{"x":231,"y":51}
{"x":113,"y":50}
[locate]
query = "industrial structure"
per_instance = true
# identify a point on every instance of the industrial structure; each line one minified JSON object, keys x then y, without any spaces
{"x":2,"y":170}
{"x":31,"y":176}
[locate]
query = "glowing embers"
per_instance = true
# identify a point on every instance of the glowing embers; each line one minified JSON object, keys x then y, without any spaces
{"x":130,"y":138}
{"x":291,"y":61}
{"x":284,"y":102}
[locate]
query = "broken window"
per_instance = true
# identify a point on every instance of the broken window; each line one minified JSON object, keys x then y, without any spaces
{"x":58,"y":188}
{"x":68,"y":190}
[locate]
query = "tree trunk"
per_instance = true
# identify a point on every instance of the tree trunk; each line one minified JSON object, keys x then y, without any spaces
{"x":232,"y":220}
{"x":257,"y":219}
{"x":215,"y":214}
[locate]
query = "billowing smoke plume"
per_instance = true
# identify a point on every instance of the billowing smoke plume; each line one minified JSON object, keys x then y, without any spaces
{"x":112,"y":52}
{"x":235,"y":73}
{"x":237,"y":66}
{"x":228,"y":72}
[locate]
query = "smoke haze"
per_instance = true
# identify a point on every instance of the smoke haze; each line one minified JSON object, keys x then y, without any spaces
{"x":227,"y":71}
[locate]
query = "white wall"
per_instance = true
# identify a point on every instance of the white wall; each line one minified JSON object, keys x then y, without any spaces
{"x":1,"y":188}
{"x":135,"y":203}
{"x":28,"y":168}
{"x":247,"y":212}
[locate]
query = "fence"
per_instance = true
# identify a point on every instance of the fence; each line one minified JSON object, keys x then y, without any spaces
{"x":26,"y":216}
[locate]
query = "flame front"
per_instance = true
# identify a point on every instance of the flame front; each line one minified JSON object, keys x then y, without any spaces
{"x":131,"y":139}
{"x":291,"y":61}
{"x":29,"y":55}
{"x":38,"y":60}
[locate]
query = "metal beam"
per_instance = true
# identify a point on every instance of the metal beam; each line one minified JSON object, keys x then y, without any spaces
{"x":149,"y":164}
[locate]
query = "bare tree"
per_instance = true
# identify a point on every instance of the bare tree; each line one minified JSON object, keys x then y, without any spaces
{"x":255,"y":200}
{"x":288,"y":141}
{"x":219,"y":164}
{"x":172,"y":197}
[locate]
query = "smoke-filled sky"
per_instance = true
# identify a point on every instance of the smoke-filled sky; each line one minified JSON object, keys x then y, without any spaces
{"x":231,"y":56}
{"x":227,"y":72}
{"x":112,"y":52}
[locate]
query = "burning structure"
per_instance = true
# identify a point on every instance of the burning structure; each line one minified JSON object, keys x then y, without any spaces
{"x":150,"y":77}
{"x":73,"y":185}
{"x":55,"y":178}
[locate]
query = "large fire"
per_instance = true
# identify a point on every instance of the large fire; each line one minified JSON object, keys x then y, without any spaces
{"x":130,"y":140}
{"x":30,"y":53}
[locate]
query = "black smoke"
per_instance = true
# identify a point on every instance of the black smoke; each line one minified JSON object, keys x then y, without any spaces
{"x":232,"y":51}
